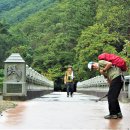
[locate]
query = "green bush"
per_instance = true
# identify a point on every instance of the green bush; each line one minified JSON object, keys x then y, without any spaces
{"x":1,"y":73}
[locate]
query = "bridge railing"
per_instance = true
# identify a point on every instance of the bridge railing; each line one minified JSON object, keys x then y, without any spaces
{"x":20,"y":78}
{"x":33,"y":77}
{"x":99,"y":83}
{"x":95,"y":83}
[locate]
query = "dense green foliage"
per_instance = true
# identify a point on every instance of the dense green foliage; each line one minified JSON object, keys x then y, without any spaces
{"x":14,"y":11}
{"x":107,"y":34}
{"x":53,"y":34}
{"x":62,"y":32}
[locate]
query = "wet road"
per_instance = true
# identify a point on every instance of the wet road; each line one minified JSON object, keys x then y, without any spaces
{"x":56,"y":111}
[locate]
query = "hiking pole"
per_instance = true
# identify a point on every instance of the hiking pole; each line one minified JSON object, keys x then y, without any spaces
{"x":101,"y":98}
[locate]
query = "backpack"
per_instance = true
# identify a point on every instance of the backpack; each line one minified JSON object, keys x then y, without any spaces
{"x":114,"y":59}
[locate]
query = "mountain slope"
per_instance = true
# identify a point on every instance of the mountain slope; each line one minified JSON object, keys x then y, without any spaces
{"x":70,"y":32}
{"x":14,"y":11}
{"x":53,"y":34}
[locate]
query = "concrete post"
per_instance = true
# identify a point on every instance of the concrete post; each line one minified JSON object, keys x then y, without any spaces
{"x":15,"y":76}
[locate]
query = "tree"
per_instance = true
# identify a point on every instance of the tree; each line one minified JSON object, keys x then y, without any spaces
{"x":95,"y":40}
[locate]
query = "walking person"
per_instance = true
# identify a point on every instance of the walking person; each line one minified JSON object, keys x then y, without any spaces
{"x":114,"y":77}
{"x":69,"y":81}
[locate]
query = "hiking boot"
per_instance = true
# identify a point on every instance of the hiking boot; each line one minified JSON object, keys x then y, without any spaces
{"x":111,"y":117}
{"x":119,"y":115}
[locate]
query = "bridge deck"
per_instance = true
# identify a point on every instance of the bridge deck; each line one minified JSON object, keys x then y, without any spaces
{"x":56,"y":111}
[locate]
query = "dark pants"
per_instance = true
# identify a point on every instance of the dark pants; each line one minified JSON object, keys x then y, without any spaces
{"x":113,"y":93}
{"x":70,"y":88}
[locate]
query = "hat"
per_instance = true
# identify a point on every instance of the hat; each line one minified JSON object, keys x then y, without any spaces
{"x":90,"y":65}
{"x":69,"y":66}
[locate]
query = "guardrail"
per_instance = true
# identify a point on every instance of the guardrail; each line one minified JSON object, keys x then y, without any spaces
{"x":95,"y":83}
{"x":33,"y":78}
{"x":99,"y":83}
{"x":20,"y":78}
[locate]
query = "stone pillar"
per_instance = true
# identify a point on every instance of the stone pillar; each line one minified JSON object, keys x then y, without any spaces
{"x":15,"y":76}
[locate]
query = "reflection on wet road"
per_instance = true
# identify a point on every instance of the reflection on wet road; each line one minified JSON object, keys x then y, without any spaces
{"x":56,"y":111}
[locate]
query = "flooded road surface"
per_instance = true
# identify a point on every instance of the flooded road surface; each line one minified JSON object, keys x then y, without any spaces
{"x":56,"y":111}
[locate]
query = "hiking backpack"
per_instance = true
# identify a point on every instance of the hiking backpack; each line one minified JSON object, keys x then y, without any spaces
{"x":114,"y":59}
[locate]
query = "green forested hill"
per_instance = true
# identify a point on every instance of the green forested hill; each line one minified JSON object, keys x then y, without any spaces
{"x":53,"y":34}
{"x":72,"y":32}
{"x":14,"y":11}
